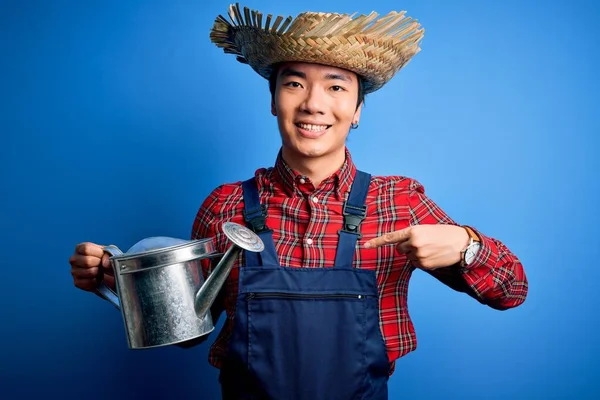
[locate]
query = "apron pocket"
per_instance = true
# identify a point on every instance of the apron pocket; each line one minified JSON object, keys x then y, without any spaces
{"x":308,"y":345}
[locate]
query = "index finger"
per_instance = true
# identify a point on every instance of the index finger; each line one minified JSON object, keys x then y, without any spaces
{"x":90,"y":249}
{"x":389,"y":238}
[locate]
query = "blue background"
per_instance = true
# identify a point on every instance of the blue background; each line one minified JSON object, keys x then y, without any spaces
{"x":119,"y":117}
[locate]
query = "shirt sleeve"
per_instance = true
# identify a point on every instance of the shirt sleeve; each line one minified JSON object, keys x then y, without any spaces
{"x":496,"y":277}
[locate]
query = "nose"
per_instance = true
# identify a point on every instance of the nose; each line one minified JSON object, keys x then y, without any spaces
{"x":313,"y":103}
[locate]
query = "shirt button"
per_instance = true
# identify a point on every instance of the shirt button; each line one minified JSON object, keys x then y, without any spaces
{"x":302,"y":181}
{"x":315,"y":199}
{"x":309,"y":241}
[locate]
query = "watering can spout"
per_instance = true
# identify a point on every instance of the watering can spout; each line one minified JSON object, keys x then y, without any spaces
{"x":243,"y":239}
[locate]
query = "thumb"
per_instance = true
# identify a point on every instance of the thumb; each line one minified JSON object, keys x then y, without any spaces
{"x":106,"y":260}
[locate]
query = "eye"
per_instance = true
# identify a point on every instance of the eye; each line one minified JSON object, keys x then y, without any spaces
{"x":292,"y":84}
{"x":337,"y":88}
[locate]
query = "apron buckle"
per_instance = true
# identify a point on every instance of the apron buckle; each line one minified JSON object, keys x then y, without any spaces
{"x":353,"y":216}
{"x":257,"y":219}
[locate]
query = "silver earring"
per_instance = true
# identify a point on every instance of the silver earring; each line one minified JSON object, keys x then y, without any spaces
{"x":353,"y":125}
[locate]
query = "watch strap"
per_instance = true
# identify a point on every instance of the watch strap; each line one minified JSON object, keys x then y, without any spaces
{"x":472,"y":234}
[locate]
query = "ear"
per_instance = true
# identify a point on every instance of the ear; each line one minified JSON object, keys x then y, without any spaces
{"x":273,"y":108}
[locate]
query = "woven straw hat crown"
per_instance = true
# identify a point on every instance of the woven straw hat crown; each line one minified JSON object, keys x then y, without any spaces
{"x":374,"y":48}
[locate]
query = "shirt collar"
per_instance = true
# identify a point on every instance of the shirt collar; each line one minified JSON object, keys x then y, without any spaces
{"x":292,"y":182}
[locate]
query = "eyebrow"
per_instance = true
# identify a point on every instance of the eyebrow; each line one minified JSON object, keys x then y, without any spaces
{"x":330,"y":76}
{"x":341,"y":77}
{"x":293,"y":72}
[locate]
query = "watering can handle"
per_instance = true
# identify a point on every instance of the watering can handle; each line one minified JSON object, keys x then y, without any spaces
{"x":103,"y":290}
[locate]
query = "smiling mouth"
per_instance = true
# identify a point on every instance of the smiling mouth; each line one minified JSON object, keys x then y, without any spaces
{"x":313,"y":128}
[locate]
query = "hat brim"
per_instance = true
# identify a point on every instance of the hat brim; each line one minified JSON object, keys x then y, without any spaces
{"x":375,"y":49}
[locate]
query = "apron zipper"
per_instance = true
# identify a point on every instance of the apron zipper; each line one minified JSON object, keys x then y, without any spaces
{"x":263,"y":295}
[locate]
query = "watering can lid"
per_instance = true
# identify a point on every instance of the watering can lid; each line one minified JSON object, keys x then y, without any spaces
{"x":154,"y":243}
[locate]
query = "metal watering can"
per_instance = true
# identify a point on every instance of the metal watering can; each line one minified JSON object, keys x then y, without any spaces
{"x":160,"y":290}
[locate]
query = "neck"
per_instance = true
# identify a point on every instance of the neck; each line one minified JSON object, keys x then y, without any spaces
{"x":317,"y":169}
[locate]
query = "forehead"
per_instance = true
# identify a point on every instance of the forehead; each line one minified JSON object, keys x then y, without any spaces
{"x":315,"y":71}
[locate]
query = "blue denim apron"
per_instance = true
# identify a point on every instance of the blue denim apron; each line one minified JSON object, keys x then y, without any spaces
{"x":306,"y":333}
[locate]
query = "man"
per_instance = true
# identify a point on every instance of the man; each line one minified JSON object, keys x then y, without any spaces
{"x":322,"y":313}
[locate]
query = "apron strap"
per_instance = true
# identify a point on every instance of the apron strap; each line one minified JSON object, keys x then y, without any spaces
{"x":354,"y":211}
{"x":255,"y":216}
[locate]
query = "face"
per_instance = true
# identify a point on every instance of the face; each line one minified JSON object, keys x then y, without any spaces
{"x":315,"y":106}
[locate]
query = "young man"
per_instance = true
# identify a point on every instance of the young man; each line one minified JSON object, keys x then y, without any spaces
{"x":322,"y":313}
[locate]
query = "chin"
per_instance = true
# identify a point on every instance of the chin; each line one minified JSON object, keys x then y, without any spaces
{"x":311,"y":150}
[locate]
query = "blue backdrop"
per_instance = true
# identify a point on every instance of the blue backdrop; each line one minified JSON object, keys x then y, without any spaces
{"x":119,"y":117}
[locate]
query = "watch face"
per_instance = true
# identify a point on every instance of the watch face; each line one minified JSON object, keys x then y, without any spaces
{"x":471,"y":252}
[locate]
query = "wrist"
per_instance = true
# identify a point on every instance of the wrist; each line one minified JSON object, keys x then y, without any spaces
{"x":463,"y":238}
{"x":471,"y":248}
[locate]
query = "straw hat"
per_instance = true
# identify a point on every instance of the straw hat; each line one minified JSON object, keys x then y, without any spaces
{"x":375,"y":49}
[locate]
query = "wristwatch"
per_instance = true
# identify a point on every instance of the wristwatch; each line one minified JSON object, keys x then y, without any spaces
{"x":468,"y":254}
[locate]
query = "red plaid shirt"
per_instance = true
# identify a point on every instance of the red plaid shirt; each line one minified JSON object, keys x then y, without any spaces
{"x":305,"y":221}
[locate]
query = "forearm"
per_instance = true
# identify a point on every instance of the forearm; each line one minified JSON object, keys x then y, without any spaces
{"x":495,"y":277}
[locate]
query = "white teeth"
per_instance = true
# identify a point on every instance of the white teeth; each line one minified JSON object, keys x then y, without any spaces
{"x":313,"y":128}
